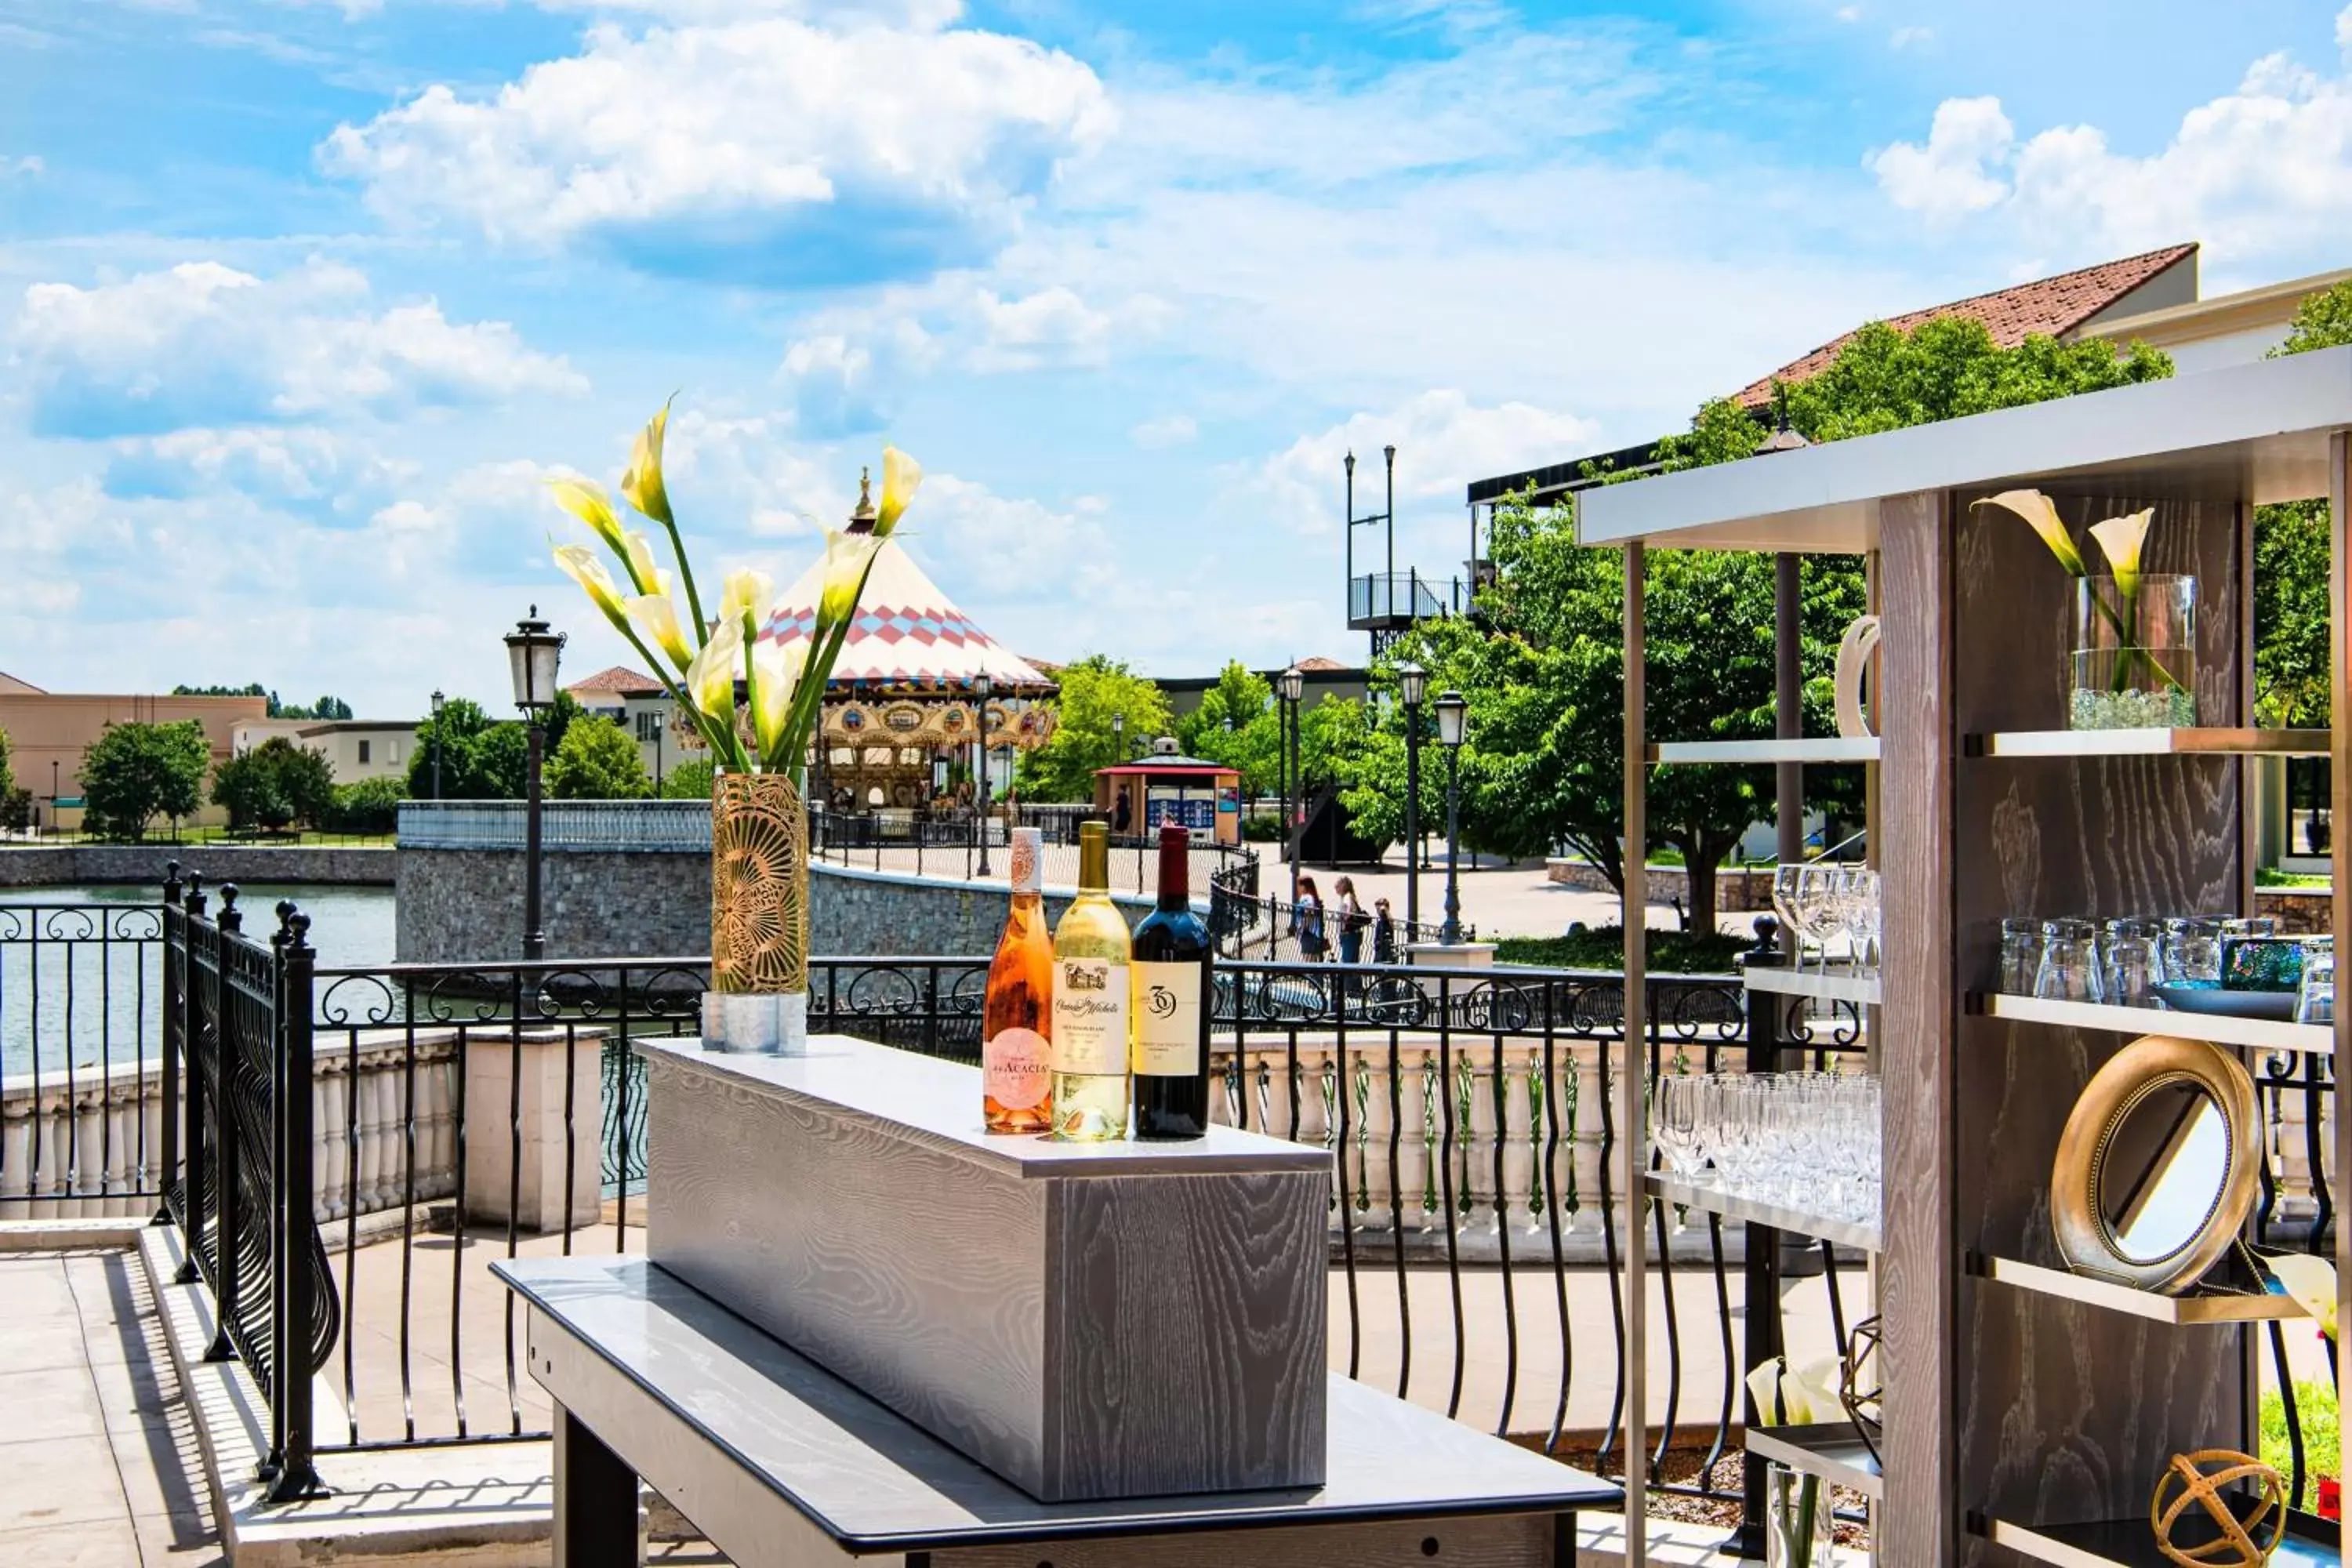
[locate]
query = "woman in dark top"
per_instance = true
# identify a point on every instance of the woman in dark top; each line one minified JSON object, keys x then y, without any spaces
{"x":1385,"y":942}
{"x":1349,"y":914}
{"x":1307,"y":923}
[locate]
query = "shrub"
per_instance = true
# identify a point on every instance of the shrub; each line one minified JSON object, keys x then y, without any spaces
{"x":1603,"y":947}
{"x":370,"y":806}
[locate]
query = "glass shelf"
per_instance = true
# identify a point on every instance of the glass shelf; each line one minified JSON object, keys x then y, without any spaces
{"x":1805,"y":749}
{"x":2150,"y":743}
{"x":1831,"y":1450}
{"x":2262,"y":1034}
{"x":2213,"y":1307}
{"x":1859,"y":989}
{"x":1708,"y":1199}
{"x":2131,"y":1543}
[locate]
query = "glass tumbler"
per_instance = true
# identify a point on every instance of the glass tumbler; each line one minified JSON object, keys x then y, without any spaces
{"x":2314,"y":1002}
{"x":2129,"y":965}
{"x":2021,"y":955}
{"x":2069,"y":970}
{"x":2192,"y":951}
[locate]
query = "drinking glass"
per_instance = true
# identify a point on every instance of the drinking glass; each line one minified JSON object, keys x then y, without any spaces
{"x":2130,"y":968}
{"x":2070,"y":963}
{"x":2021,"y":955}
{"x":2314,"y":1003}
{"x":1861,"y":900}
{"x":1679,"y":1120}
{"x":1785,"y":879}
{"x":2191,"y":950}
{"x":1817,"y":912}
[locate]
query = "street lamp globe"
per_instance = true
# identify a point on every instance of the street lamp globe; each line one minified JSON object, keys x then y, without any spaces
{"x":1413,"y":683}
{"x":1453,"y":717}
{"x":438,"y":701}
{"x":532,"y":653}
{"x":1292,"y":684}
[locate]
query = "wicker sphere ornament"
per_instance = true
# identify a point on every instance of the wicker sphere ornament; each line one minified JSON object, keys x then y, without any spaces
{"x":2198,"y":1481}
{"x":1859,"y":1385}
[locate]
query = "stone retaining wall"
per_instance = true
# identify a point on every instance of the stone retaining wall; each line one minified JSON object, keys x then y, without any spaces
{"x":1735,"y":891}
{"x":68,"y":865}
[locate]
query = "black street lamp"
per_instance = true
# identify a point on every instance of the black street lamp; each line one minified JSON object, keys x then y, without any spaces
{"x":532,"y":653}
{"x":438,"y":701}
{"x":656,"y":717}
{"x":1292,"y":684}
{"x":1413,"y":685}
{"x":1452,"y":716}
{"x":1117,"y":739}
{"x":986,"y":688}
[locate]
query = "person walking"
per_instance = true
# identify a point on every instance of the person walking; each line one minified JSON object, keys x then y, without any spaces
{"x":1384,"y":933}
{"x":1307,"y":923}
{"x":1352,"y":921}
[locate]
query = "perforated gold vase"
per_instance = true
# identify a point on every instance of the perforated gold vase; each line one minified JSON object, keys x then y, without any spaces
{"x":759,"y":915}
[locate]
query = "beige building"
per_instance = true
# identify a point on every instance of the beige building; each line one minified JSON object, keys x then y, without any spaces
{"x":48,"y":731}
{"x":639,"y":704}
{"x":2228,"y":329}
{"x":361,"y":749}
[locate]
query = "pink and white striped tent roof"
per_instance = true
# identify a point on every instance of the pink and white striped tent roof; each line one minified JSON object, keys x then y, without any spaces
{"x":909,"y":634}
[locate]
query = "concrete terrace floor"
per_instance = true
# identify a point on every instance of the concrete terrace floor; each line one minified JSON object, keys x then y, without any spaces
{"x":98,"y":1466}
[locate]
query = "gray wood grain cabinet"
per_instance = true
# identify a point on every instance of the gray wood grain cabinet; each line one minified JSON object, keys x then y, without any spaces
{"x":1087,"y":1321}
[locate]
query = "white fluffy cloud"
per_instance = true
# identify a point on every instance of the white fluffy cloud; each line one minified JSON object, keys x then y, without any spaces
{"x":204,"y":346}
{"x":2263,"y":171}
{"x":324,"y":472}
{"x":1164,"y":430}
{"x":1442,"y":439}
{"x":771,"y":150}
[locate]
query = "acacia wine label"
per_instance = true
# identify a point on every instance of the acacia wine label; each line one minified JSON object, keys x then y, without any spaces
{"x":1090,"y":1013}
{"x":1168,"y":1019}
{"x":1016,"y":1066}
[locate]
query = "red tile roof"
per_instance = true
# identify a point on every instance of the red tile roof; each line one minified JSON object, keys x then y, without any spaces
{"x":620,"y":679}
{"x":1317,"y":661}
{"x":2052,"y":306}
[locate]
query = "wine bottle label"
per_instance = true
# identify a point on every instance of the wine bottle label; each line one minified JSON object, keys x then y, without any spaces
{"x":1016,"y":1066}
{"x":1028,"y":854}
{"x":1168,"y":1019}
{"x":1090,"y":1011}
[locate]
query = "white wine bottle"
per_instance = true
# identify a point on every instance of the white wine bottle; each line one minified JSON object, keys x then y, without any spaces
{"x":1092,"y":1005}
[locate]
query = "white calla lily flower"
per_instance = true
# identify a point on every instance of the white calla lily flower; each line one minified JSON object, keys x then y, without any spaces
{"x":777,"y":678}
{"x":710,"y":678}
{"x":647,"y":573}
{"x":2120,"y":539}
{"x":655,"y":616}
{"x":580,"y":564}
{"x":746,"y":593}
{"x":847,"y":558}
{"x":2036,"y":509}
{"x":2310,"y":1282}
{"x":901,"y":477}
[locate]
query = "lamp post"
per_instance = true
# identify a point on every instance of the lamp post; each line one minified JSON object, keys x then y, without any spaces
{"x":1117,"y":739}
{"x":1413,"y":685}
{"x":1453,"y":714}
{"x":656,"y":717}
{"x":985,"y":687}
{"x":532,"y":653}
{"x":1292,"y":684}
{"x":438,"y":702}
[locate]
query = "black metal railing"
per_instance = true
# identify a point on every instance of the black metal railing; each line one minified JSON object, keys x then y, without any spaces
{"x":952,"y":847}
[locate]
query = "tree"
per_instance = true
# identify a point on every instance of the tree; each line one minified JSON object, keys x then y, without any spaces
{"x":481,"y":760}
{"x":135,"y":772}
{"x":2291,"y":554}
{"x":370,"y":806}
{"x":597,"y":760}
{"x":688,"y":780}
{"x":16,"y":803}
{"x":274,"y":785}
{"x":1237,"y":724}
{"x":8,"y":777}
{"x":1093,"y":689}
{"x":324,"y":708}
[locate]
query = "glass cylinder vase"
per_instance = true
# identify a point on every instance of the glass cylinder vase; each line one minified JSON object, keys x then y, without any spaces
{"x":759,"y":915}
{"x":1798,"y":1526}
{"x":2134,"y":665}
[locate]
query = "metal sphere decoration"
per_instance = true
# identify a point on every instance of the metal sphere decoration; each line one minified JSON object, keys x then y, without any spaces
{"x":1859,"y":1385}
{"x":2246,"y":1539}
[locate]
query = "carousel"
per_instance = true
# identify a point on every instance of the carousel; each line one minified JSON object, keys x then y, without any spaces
{"x":918,"y":690}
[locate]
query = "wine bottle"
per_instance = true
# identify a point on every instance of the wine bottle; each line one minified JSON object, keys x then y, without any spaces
{"x":1016,"y":1022}
{"x":1091,"y":1001}
{"x":1171,"y":1003}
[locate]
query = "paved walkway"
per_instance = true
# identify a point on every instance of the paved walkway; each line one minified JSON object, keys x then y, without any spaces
{"x":98,"y":1466}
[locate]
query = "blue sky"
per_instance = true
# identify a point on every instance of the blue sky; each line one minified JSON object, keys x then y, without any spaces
{"x":299,"y":299}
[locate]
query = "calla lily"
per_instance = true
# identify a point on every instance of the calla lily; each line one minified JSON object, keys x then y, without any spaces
{"x":2310,"y":1282}
{"x":1785,"y":1397}
{"x":772,"y":700}
{"x":581,"y":564}
{"x":901,"y":477}
{"x":655,"y":616}
{"x":591,"y":505}
{"x":2120,"y":539}
{"x":745,"y":594}
{"x":642,"y":483}
{"x":2035,"y":508}
{"x":710,"y":677}
{"x":847,"y":558}
{"x":639,"y":550}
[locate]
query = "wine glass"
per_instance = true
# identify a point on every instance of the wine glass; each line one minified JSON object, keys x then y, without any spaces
{"x":1817,"y":906}
{"x":1785,"y":879}
{"x":1681,"y":1097}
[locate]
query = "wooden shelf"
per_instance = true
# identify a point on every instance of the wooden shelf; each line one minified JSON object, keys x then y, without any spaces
{"x":2262,"y":1034}
{"x":1831,"y":1450}
{"x":2221,"y":742}
{"x":2309,"y":1542}
{"x":2213,"y":1307}
{"x":1862,"y":990}
{"x":1808,"y":749}
{"x":1757,"y":1211}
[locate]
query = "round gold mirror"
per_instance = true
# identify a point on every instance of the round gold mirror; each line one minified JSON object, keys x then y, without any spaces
{"x":2157,"y":1168}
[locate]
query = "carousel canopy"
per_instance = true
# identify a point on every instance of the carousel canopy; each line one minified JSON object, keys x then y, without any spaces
{"x":909,"y":634}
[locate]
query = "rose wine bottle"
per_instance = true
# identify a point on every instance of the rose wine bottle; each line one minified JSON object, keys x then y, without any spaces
{"x":1171,"y":1003}
{"x":1016,"y":1062}
{"x":1091,"y":1002}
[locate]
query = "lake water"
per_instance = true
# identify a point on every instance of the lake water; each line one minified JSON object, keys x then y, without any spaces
{"x":84,"y":965}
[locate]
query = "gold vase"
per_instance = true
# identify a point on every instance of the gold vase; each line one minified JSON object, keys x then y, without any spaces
{"x":759,"y":886}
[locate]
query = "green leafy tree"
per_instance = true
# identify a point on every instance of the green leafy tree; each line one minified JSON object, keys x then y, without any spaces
{"x":15,"y":803}
{"x":368,"y":806}
{"x":688,"y":779}
{"x":135,"y":772}
{"x":1093,"y":689}
{"x":274,"y":786}
{"x":8,"y":777}
{"x":1237,"y":724}
{"x":597,"y":760}
{"x":2291,"y":551}
{"x":481,"y":759}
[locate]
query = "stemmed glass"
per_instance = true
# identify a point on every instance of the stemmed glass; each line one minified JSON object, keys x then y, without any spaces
{"x":1681,"y":1122}
{"x":1786,"y":877}
{"x":1858,"y":902}
{"x":1817,"y":906}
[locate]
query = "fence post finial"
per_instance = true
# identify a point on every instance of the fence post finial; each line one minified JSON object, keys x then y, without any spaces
{"x":171,"y":881}
{"x":230,"y":919}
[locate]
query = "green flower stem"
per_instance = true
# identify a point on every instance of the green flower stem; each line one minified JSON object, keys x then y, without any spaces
{"x":1809,"y":1499}
{"x":685,"y":575}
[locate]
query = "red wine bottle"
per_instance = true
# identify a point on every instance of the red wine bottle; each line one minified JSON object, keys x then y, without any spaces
{"x":1171,"y":975}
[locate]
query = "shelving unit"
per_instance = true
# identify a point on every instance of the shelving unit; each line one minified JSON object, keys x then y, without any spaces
{"x":1832,"y":1450}
{"x":1861,"y":990}
{"x":2002,"y":1373}
{"x":1709,"y":1199}
{"x":2258,"y":1033}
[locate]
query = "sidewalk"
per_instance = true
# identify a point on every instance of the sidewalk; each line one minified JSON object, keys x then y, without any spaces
{"x":98,"y":1466}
